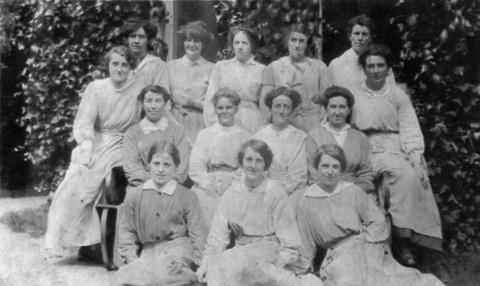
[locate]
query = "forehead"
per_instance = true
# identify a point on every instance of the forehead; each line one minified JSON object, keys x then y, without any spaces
{"x":139,"y":31}
{"x":116,"y":57}
{"x":327,"y":159}
{"x":250,"y":153}
{"x":374,"y":59}
{"x":153,"y":95}
{"x":282,"y":99}
{"x":297,"y":36}
{"x":162,"y":157}
{"x":360,"y":29}
{"x":337,"y":100}
{"x":241,"y":36}
{"x":224,"y":101}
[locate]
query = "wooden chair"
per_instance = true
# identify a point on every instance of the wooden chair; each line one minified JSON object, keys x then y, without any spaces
{"x":108,"y":207}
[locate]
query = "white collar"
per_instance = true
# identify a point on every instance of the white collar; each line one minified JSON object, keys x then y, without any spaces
{"x":340,"y":132}
{"x":148,"y":126}
{"x":168,"y":188}
{"x":385,"y":89}
{"x":186,"y":62}
{"x":317,"y":192}
{"x":249,"y":62}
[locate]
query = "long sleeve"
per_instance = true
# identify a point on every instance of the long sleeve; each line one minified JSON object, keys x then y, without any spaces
{"x":311,"y":149}
{"x":324,"y":83}
{"x":127,"y":235}
{"x":364,"y":176}
{"x":410,"y":132}
{"x":208,"y":108}
{"x":307,"y":233}
{"x":199,"y":161}
{"x":194,"y":225}
{"x":161,"y":76}
{"x":84,"y":123}
{"x":373,"y":220}
{"x":268,"y":84}
{"x":183,"y":145}
{"x":297,"y":169}
{"x":131,"y":160}
{"x":219,"y":235}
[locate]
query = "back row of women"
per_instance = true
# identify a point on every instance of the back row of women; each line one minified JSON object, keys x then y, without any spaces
{"x":360,"y":127}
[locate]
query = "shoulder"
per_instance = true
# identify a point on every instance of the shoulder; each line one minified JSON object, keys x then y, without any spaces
{"x":357,"y":133}
{"x":297,"y":133}
{"x":174,"y":63}
{"x":133,"y":130}
{"x":224,"y":63}
{"x":317,"y":63}
{"x":275,"y":192}
{"x":133,"y":194}
{"x":316,"y":131}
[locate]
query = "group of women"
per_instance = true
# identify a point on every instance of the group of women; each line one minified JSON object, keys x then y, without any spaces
{"x":284,"y":159}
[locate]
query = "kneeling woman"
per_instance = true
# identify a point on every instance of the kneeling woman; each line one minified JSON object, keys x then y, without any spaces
{"x":256,"y":211}
{"x":164,"y":219}
{"x":340,"y":217}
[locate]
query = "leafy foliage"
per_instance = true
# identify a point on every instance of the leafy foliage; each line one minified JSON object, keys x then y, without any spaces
{"x":64,"y":41}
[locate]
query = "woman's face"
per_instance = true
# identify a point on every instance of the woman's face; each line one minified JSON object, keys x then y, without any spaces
{"x":337,"y":111}
{"x":154,"y":106}
{"x":297,"y":44}
{"x":376,"y":70}
{"x":329,"y":172}
{"x":118,"y":68}
{"x":253,"y":165}
{"x":360,"y":38}
{"x":281,"y":110}
{"x":137,"y":42}
{"x":193,"y":48}
{"x":225,"y":110}
{"x":242,"y":47}
{"x":162,"y":168}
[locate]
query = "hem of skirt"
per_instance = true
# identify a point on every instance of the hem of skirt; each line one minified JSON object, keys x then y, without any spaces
{"x":419,"y":239}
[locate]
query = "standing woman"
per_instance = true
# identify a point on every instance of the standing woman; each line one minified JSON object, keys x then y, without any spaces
{"x":345,"y":71}
{"x":386,"y":115}
{"x":160,"y":233}
{"x":189,"y":77}
{"x":149,"y":69}
{"x":241,"y":74}
{"x":287,"y":142}
{"x":338,"y":216}
{"x":214,"y":155}
{"x":339,"y":102}
{"x":108,"y":107}
{"x":305,"y":75}
{"x":153,"y":128}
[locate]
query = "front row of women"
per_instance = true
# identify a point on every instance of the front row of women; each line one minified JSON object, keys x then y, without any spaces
{"x":162,"y":236}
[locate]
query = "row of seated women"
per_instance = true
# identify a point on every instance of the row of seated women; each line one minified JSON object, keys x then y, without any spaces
{"x":393,"y":147}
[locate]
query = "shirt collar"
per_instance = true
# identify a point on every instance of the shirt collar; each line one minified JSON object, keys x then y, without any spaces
{"x":148,"y":126}
{"x":186,"y":62}
{"x":249,"y":62}
{"x":148,"y":58}
{"x":385,"y":89}
{"x":340,"y":132}
{"x":168,"y":188}
{"x":317,"y":192}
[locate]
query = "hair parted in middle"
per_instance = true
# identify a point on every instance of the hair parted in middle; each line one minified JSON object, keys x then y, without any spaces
{"x":261,"y":148}
{"x":155,"y":89}
{"x":164,"y":147}
{"x":332,"y":150}
{"x":227,"y":93}
{"x":294,"y":96}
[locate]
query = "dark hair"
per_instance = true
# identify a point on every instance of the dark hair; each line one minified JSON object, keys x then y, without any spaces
{"x":375,"y":50}
{"x":332,"y":150}
{"x":258,"y":146}
{"x":335,"y":91}
{"x":299,"y":28}
{"x":197,"y":31}
{"x":252,"y":37}
{"x":135,"y":23}
{"x":124,"y":52}
{"x":294,"y":96}
{"x":164,"y":147}
{"x":227,"y":93}
{"x":361,"y":20}
{"x":155,"y":89}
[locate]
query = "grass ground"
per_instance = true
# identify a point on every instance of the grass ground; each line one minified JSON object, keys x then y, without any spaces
{"x":23,"y":224}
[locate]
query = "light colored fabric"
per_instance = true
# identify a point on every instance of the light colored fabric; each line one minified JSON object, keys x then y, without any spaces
{"x":190,"y":80}
{"x":103,"y":115}
{"x":357,"y":153}
{"x":353,"y":229}
{"x":148,"y":126}
{"x":246,"y":80}
{"x":151,"y":70}
{"x":168,"y":189}
{"x":169,"y":228}
{"x":270,"y":246}
{"x":308,"y":78}
{"x":137,"y":144}
{"x":339,"y":135}
{"x":396,"y":137}
{"x":289,"y":163}
{"x":346,"y":72}
{"x":213,"y":161}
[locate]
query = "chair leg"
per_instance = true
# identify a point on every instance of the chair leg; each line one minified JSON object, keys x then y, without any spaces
{"x":103,"y":235}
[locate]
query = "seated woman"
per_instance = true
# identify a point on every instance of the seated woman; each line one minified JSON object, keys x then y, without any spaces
{"x":338,"y":103}
{"x":107,"y":108}
{"x":153,"y":128}
{"x":386,"y":115}
{"x":256,"y":210}
{"x":287,"y":142}
{"x":189,"y":77}
{"x":213,"y":161}
{"x":161,"y":221}
{"x":339,"y":216}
